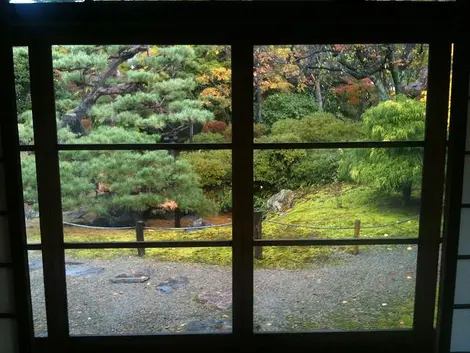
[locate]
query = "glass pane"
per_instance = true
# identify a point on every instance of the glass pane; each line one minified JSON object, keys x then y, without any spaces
{"x":30,"y":197}
{"x":334,"y":93}
{"x":38,"y":302}
{"x":167,"y":291}
{"x":338,"y":193}
{"x":328,"y":288}
{"x":177,"y":196}
{"x":23,"y":95}
{"x":143,"y":93}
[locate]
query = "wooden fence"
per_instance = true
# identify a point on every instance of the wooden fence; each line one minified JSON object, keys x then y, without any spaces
{"x":257,"y":234}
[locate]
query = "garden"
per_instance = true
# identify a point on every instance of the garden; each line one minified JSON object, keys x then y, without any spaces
{"x":146,"y":94}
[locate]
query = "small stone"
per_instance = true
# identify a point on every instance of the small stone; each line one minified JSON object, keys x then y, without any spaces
{"x":76,"y":269}
{"x":133,"y":277}
{"x":172,"y":284}
{"x":345,"y":301}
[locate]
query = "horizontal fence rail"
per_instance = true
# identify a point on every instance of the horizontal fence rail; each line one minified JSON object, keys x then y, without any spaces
{"x":140,"y":244}
{"x":335,"y":242}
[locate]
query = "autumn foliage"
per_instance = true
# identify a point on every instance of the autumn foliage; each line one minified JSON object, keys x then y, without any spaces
{"x":214,"y":127}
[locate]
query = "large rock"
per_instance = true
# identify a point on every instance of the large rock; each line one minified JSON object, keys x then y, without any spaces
{"x":281,"y":201}
{"x":198,"y":224}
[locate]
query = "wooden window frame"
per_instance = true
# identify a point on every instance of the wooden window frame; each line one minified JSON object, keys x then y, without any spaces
{"x":40,"y":26}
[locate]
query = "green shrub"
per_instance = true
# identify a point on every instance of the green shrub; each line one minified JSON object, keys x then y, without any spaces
{"x":318,"y":168}
{"x":213,"y":167}
{"x":209,"y":137}
{"x":259,"y":130}
{"x":287,"y":106}
{"x":320,"y":127}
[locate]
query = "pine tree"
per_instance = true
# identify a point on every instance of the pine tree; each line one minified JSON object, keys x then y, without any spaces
{"x":125,"y":94}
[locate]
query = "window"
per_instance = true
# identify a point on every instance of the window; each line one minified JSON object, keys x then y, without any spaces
{"x":153,"y":168}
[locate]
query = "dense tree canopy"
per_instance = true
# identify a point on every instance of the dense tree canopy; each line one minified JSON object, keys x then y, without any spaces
{"x":149,"y":94}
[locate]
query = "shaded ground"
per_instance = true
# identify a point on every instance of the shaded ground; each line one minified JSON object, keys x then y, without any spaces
{"x":371,"y":290}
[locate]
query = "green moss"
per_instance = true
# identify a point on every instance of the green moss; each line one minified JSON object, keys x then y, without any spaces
{"x":334,"y":205}
{"x":339,"y":206}
{"x":396,"y":314}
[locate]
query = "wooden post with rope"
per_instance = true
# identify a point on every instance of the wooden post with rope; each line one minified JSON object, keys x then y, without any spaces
{"x":357,"y":234}
{"x":257,"y":233}
{"x":139,"y":234}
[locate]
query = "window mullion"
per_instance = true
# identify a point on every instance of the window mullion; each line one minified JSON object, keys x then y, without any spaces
{"x":49,"y":194}
{"x":432,"y":193}
{"x":242,"y":189}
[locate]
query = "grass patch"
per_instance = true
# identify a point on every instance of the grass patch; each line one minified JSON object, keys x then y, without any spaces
{"x":320,"y":207}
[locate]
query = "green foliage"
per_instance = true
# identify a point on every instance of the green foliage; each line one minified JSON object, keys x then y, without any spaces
{"x":292,"y":169}
{"x":22,"y":83}
{"x":214,"y":169}
{"x":133,"y":181}
{"x":396,"y":120}
{"x":281,"y":106}
{"x":28,"y":172}
{"x":259,"y":130}
{"x":391,"y":169}
{"x":319,"y":127}
{"x":209,"y":137}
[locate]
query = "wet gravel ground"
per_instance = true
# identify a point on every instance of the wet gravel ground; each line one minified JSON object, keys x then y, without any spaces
{"x":285,"y":300}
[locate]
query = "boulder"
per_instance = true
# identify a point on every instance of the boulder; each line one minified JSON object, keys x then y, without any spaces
{"x":201,"y":223}
{"x":281,"y":201}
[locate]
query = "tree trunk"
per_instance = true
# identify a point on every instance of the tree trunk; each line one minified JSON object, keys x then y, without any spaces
{"x":318,"y":95}
{"x":178,"y":216}
{"x":406,"y":194}
{"x":383,"y":94}
{"x":191,"y":131}
{"x":258,"y":102}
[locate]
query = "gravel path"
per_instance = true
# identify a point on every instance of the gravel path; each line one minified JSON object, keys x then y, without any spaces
{"x":289,"y":300}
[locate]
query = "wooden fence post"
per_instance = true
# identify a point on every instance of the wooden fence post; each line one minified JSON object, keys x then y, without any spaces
{"x":139,"y":234}
{"x":357,"y":234}
{"x":257,"y":233}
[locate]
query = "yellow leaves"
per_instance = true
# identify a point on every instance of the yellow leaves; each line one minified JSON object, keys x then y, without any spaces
{"x":221,"y":73}
{"x":424,"y":95}
{"x":280,"y":85}
{"x":215,"y":74}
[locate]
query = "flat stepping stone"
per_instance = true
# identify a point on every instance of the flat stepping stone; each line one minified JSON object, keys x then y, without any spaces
{"x":133,"y":277}
{"x":220,"y":299}
{"x":208,"y":326}
{"x":77,"y":269}
{"x":172,"y":284}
